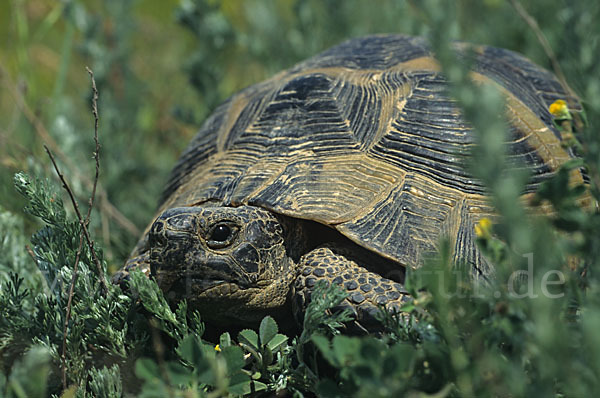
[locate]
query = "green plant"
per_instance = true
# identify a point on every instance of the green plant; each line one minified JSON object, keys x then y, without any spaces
{"x":503,"y":337}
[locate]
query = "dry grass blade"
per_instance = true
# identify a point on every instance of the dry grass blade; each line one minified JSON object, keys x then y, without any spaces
{"x":84,"y":229}
{"x":97,"y":150}
{"x":32,"y":255}
{"x":83,"y":222}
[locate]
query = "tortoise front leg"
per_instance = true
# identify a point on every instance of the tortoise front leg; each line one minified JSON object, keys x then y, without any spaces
{"x":367,"y":291}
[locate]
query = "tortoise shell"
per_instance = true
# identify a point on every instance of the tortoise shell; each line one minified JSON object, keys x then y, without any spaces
{"x":363,"y":138}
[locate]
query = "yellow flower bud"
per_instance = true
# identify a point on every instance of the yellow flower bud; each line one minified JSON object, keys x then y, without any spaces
{"x":559,"y":110}
{"x":483,"y":229}
{"x":217,"y":348}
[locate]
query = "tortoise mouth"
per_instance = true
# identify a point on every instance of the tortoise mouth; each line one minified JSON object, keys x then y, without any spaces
{"x":199,"y":278}
{"x":217,"y":287}
{"x":210,"y":286}
{"x":210,"y":294}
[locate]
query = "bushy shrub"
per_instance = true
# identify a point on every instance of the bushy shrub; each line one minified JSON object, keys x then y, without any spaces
{"x":532,"y":330}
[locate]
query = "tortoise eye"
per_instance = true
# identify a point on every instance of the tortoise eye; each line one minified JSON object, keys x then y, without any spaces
{"x":221,"y":235}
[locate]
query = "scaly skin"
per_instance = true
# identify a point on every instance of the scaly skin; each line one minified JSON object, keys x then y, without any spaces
{"x":238,"y":264}
{"x":367,"y":291}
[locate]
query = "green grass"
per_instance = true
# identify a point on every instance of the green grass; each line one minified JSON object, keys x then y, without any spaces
{"x":161,"y":67}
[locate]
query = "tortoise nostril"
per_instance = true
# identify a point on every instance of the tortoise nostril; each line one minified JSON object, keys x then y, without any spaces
{"x":157,"y":235}
{"x":158,"y":227}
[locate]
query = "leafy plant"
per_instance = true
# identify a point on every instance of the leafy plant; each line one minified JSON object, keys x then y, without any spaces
{"x":531,"y":330}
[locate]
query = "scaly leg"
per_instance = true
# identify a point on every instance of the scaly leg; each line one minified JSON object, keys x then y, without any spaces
{"x":367,"y":291}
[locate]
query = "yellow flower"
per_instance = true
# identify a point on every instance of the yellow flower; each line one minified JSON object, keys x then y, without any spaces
{"x":559,"y":110}
{"x":483,"y":229}
{"x":217,"y":348}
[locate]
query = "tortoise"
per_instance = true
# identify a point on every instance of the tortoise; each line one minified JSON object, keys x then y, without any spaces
{"x":347,"y":167}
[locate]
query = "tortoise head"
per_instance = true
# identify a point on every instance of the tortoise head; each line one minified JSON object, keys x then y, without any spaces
{"x":230,"y":262}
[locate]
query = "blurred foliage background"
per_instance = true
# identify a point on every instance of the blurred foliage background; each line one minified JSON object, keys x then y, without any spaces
{"x":162,"y":66}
